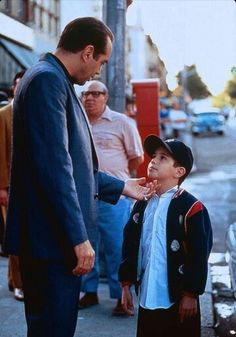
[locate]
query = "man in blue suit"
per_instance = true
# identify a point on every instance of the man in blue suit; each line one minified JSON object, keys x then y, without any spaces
{"x":55,"y":181}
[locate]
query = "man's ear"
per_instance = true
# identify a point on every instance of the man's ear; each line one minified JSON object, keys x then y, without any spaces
{"x":87,"y":52}
{"x":180,"y":171}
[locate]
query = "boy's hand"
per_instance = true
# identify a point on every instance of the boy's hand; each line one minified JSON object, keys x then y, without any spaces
{"x":187,"y":307}
{"x":127,"y":300}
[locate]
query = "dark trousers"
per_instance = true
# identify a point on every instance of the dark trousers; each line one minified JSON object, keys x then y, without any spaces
{"x":166,"y":323}
{"x":51,"y":298}
{"x":14,"y":276}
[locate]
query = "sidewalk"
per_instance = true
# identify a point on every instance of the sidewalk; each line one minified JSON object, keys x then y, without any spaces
{"x":93,"y":322}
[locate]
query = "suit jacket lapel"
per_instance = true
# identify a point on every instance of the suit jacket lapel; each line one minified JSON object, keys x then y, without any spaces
{"x":49,"y":58}
{"x":94,"y":154}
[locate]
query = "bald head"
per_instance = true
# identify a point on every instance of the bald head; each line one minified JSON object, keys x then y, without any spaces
{"x":95,"y":85}
{"x":94,"y":98}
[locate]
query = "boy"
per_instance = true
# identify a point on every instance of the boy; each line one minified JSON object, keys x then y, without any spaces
{"x":167,"y":241}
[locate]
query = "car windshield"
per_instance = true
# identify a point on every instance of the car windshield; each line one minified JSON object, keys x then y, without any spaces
{"x":208,"y":116}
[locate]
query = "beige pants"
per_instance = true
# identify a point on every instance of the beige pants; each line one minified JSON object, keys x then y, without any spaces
{"x":14,"y":276}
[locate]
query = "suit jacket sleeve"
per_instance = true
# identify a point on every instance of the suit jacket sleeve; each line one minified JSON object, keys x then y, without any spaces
{"x":130,"y":249}
{"x":44,"y":108}
{"x":109,"y":188}
{"x":198,"y":246}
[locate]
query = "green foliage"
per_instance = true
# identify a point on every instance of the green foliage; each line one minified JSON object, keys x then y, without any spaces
{"x":192,"y":82}
{"x":231,"y":90}
{"x":221,"y":100}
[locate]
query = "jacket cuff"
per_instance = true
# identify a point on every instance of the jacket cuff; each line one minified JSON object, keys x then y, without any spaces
{"x":126,"y":283}
{"x":189,"y":294}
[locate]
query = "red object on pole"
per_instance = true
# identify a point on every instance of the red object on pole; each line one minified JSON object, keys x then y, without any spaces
{"x":146,"y":96}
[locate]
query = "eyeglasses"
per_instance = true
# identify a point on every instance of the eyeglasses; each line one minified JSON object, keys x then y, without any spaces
{"x":95,"y":94}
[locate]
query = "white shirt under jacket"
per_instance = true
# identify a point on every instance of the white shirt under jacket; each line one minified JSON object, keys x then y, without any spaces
{"x":154,"y":285}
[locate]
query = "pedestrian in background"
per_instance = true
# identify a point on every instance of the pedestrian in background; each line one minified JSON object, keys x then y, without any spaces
{"x":14,"y":276}
{"x":130,"y":109}
{"x":178,"y":120}
{"x":120,"y":153}
{"x":166,"y":128}
{"x":167,"y":242}
{"x":55,"y":180}
{"x":4,"y":99}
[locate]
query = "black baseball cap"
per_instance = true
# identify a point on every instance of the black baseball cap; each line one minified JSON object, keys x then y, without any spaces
{"x":178,"y":150}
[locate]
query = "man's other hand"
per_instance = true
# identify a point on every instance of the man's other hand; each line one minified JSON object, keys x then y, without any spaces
{"x":85,"y":258}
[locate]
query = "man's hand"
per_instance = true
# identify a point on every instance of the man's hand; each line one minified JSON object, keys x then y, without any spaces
{"x":127,"y":300}
{"x":187,"y":307}
{"x":3,"y":197}
{"x":133,"y":188}
{"x":85,"y":258}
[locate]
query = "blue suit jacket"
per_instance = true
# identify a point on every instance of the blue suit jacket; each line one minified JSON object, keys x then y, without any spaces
{"x":55,"y":180}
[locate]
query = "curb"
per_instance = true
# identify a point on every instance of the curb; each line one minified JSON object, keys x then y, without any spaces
{"x":224,"y":304}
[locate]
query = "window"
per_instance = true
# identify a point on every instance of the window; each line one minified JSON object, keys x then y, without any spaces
{"x":46,"y":15}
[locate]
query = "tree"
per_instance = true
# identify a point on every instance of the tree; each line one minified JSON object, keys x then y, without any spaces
{"x":221,"y":100}
{"x":230,"y":89}
{"x":191,"y":82}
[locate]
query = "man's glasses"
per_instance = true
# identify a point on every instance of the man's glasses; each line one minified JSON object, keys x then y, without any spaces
{"x":95,"y":94}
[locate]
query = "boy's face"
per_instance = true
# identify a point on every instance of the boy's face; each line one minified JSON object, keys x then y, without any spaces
{"x":162,"y":167}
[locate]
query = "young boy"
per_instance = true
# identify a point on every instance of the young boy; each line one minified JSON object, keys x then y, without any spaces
{"x":167,"y":241}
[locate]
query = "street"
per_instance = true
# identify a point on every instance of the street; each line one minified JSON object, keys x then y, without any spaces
{"x":213,"y":182}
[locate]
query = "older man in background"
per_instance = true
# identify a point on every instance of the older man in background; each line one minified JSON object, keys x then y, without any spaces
{"x":120,"y":153}
{"x":14,"y":275}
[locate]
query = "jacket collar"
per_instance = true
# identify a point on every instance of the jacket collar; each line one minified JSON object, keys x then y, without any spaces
{"x":49,"y":57}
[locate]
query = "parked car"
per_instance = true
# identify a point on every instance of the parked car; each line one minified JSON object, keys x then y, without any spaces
{"x":207,"y":122}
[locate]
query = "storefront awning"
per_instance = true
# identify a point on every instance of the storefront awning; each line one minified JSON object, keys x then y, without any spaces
{"x":24,"y":56}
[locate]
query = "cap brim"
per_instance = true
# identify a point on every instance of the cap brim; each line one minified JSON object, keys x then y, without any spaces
{"x":152,"y":143}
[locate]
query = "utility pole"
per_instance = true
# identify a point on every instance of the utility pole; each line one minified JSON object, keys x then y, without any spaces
{"x":184,"y":80}
{"x":114,"y":16}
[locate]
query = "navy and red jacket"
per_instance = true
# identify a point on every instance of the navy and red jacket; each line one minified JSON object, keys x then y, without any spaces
{"x":188,"y":245}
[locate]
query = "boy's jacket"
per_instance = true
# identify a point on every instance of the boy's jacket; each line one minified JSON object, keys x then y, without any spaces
{"x":188,"y":245}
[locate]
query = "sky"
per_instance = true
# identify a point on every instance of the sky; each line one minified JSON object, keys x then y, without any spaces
{"x":186,"y":32}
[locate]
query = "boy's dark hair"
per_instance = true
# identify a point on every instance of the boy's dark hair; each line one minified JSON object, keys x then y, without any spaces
{"x":20,"y":74}
{"x":85,"y":31}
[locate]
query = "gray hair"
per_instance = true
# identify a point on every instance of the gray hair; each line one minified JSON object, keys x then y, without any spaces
{"x":101,"y":85}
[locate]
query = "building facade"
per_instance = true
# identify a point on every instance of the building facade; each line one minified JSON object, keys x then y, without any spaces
{"x":28,"y":28}
{"x":142,"y":58}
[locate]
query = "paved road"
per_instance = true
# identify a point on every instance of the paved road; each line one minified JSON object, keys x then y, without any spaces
{"x":97,"y":321}
{"x":93,"y":322}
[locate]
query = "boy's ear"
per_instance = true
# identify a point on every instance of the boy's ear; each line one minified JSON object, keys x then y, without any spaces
{"x":180,"y":171}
